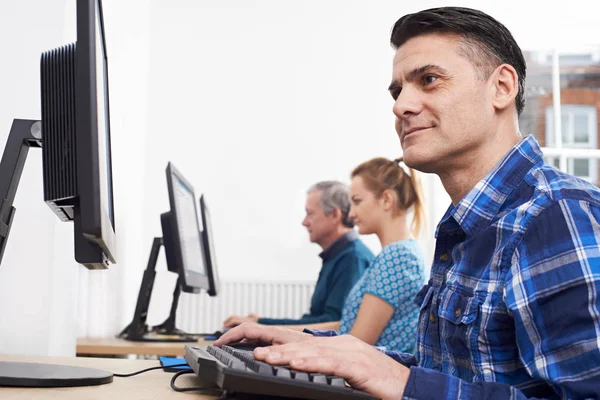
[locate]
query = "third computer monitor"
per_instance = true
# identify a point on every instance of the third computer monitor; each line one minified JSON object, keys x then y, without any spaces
{"x":209,"y":246}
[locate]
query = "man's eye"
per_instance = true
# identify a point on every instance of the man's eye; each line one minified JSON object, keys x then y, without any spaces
{"x":428,"y":79}
{"x":395,"y":93}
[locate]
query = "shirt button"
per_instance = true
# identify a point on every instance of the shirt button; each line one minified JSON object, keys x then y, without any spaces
{"x":458,"y":312}
{"x":431,"y":317}
{"x":444,"y":257}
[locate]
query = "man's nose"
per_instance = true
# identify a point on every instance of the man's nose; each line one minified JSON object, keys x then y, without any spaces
{"x":408,"y":102}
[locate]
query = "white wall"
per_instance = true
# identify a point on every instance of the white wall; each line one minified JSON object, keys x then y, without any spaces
{"x":256,"y":100}
{"x":252,"y":100}
{"x":127,"y":25}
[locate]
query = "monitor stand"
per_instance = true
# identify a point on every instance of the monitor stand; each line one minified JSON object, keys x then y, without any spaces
{"x":168,"y":327}
{"x":23,"y":135}
{"x":138,"y":330}
{"x":167,"y":330}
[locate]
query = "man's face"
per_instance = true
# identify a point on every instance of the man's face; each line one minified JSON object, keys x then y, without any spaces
{"x":443,"y":108}
{"x":318,"y":224}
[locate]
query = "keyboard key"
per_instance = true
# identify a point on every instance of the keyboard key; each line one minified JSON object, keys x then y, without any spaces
{"x":335,"y":381}
{"x":300,"y":376}
{"x":318,"y":378}
{"x":248,"y":359}
{"x":283,"y":372}
{"x":226,"y":359}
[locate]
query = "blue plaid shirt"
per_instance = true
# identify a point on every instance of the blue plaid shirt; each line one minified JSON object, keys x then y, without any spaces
{"x":512,"y":309}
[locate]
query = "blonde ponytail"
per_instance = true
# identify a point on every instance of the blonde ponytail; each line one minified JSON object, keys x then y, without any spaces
{"x":418,"y":221}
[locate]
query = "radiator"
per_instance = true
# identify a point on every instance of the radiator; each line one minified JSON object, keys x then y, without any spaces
{"x":198,"y":313}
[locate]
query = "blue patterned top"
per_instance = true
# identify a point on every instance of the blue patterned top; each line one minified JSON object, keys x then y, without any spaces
{"x":396,"y":275}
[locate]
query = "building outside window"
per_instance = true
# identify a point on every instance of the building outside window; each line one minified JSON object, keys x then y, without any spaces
{"x":575,"y":77}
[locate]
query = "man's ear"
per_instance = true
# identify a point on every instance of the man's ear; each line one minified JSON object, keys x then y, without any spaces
{"x":337,"y":214}
{"x":505,"y":86}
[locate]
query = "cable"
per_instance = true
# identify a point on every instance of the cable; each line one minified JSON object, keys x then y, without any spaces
{"x":150,"y":369}
{"x":175,"y":388}
{"x":190,"y":388}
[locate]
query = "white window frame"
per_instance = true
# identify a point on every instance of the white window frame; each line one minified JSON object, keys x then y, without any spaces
{"x":559,"y":151}
{"x":570,"y":110}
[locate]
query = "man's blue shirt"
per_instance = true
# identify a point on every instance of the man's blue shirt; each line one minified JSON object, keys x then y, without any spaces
{"x":512,"y":309}
{"x":344,"y":262}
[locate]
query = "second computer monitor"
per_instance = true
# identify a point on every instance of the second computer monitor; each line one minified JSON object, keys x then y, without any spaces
{"x":181,"y":234}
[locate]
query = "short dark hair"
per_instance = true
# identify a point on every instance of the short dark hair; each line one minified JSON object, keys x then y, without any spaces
{"x":488,"y":43}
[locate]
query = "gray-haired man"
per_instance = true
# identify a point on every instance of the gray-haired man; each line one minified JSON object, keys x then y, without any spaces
{"x":345,"y":257}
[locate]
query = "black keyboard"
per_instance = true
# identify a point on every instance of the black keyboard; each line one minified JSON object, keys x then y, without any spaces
{"x":236,"y":371}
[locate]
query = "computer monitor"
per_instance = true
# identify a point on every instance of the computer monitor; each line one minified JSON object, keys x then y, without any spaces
{"x":189,"y":252}
{"x":183,"y":244}
{"x":76,"y":148}
{"x":209,"y":246}
{"x":77,"y":170}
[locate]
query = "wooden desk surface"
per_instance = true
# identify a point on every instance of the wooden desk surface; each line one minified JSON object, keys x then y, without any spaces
{"x":115,"y":346}
{"x":149,"y":385}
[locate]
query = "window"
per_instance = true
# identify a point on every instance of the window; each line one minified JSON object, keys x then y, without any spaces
{"x":579,"y":131}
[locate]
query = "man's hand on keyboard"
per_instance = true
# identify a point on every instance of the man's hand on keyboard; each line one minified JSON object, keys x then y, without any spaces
{"x":362,"y":366}
{"x":262,"y":334}
{"x":236,"y":320}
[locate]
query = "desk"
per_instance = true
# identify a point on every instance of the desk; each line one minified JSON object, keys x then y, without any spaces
{"x":122,"y":347}
{"x":149,"y":385}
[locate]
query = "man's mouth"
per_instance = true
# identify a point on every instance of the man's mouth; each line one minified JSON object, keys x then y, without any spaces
{"x":414,"y":129}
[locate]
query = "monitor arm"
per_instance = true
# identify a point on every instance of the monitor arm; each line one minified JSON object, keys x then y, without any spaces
{"x":138,"y":328}
{"x":168,"y":327}
{"x":24,"y":133}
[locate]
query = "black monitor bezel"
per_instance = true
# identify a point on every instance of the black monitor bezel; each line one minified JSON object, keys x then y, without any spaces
{"x":95,"y":223}
{"x":191,"y":280}
{"x":210,"y":256}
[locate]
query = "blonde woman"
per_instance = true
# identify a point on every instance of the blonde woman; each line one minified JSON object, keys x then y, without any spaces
{"x":379,"y":309}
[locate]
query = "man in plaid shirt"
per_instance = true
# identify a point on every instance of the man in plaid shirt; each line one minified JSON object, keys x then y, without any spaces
{"x":512,"y":309}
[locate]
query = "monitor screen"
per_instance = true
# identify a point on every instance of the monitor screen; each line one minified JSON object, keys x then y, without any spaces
{"x":94,"y":132}
{"x":104,"y":156}
{"x":184,"y":233}
{"x":187,"y":223}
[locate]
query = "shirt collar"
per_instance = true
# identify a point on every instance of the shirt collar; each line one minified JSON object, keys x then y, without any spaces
{"x":480,"y":206}
{"x":338,"y":245}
